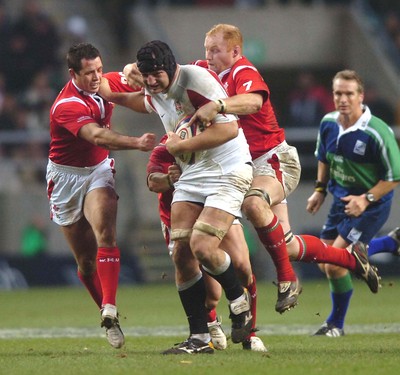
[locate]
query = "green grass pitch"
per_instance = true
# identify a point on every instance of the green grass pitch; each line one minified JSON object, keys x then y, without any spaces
{"x":57,"y":331}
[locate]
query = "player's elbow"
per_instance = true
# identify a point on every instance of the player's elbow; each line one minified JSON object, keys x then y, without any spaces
{"x":153,"y":187}
{"x":256,"y":106}
{"x":102,"y":142}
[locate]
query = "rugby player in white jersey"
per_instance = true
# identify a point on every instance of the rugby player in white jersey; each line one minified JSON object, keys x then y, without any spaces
{"x":209,"y":193}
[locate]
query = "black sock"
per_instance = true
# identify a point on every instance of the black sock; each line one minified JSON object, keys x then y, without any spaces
{"x":229,"y":282}
{"x":193,"y":302}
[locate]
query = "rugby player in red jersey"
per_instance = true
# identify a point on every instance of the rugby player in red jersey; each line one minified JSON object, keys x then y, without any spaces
{"x":80,"y":180}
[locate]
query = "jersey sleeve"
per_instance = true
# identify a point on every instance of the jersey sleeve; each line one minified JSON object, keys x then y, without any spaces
{"x":118,"y":82}
{"x":160,"y":159}
{"x":249,"y":80}
{"x":148,"y":103}
{"x":390,"y":154}
{"x":73,"y":115}
{"x":202,"y":63}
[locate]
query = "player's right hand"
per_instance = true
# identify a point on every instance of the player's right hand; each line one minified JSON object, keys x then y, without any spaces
{"x":174,"y":172}
{"x":147,"y":142}
{"x":315,"y":202}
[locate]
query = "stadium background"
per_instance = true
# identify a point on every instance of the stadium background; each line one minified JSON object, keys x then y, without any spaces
{"x":281,"y":38}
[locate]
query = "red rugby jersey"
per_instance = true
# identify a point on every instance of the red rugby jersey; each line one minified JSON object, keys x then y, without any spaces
{"x":159,"y":161}
{"x":261,"y":129}
{"x":71,"y":110}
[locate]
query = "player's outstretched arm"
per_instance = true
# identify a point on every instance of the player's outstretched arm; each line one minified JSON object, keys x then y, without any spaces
{"x":131,"y":100}
{"x":110,"y":140}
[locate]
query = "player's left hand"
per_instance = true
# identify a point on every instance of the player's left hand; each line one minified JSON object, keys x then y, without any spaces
{"x":133,"y":76}
{"x":147,"y":142}
{"x":205,"y":114}
{"x":172,"y":144}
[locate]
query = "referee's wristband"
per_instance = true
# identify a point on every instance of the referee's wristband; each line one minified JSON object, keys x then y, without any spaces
{"x":320,"y":187}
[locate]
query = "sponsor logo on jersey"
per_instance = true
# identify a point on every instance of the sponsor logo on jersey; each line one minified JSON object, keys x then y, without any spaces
{"x":360,"y":147}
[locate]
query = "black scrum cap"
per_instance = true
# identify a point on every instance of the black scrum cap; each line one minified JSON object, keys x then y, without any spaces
{"x":156,"y":55}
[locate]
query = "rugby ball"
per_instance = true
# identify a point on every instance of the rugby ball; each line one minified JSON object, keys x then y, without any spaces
{"x":184,"y":131}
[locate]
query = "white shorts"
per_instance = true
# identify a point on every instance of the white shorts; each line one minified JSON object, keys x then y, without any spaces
{"x":68,"y":186}
{"x":282,"y":163}
{"x":225,"y":192}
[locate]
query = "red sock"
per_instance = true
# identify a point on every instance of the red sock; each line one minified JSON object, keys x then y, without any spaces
{"x":93,"y":285}
{"x":211,"y":315}
{"x":313,"y":250}
{"x":108,"y":267}
{"x":252,"y":288}
{"x":273,"y":239}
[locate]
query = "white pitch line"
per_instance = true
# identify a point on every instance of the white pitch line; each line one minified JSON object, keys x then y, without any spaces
{"x":273,"y":329}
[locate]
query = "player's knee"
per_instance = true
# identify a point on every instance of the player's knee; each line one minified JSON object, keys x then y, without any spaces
{"x":244,"y":272}
{"x":106,"y":237}
{"x":258,"y":192}
{"x":182,"y":235}
{"x":209,"y":229}
{"x":334,"y":272}
{"x":256,"y":204}
{"x":182,"y":254}
{"x":86,"y":266}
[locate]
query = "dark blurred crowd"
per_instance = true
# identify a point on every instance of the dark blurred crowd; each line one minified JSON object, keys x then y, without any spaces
{"x":29,"y":66}
{"x":389,"y":12}
{"x":29,"y":81}
{"x":243,"y":3}
{"x":32,"y":47}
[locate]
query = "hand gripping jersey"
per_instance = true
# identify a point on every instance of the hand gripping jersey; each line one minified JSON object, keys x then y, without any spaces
{"x":71,"y":110}
{"x":261,"y":129}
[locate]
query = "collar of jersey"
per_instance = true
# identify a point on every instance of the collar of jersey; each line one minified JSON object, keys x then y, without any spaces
{"x":82,"y":91}
{"x":361,"y":123}
{"x":222,"y":74}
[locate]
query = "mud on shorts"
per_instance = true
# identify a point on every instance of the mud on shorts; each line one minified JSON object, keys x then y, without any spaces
{"x":225,"y":192}
{"x":283,"y":163}
{"x":68,"y":186}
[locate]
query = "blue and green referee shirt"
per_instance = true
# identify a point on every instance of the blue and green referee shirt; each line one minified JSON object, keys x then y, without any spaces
{"x":358,"y":157}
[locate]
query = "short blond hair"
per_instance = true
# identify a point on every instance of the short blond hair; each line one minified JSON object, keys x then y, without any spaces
{"x":231,"y":34}
{"x":350,"y":75}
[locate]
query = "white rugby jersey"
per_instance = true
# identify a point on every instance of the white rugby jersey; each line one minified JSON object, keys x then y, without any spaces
{"x":193,"y":87}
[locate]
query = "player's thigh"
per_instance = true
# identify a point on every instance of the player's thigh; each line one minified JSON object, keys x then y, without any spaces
{"x":216,"y":217}
{"x":234,"y":243}
{"x":100,"y":208}
{"x":210,"y":228}
{"x":184,"y":214}
{"x":271,"y":185}
{"x":81,"y":240}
